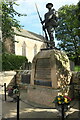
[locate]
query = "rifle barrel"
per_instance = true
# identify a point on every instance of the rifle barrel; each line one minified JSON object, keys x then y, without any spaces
{"x":38,"y":12}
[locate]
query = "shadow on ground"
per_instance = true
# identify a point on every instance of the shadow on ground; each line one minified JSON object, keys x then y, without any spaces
{"x":28,"y":113}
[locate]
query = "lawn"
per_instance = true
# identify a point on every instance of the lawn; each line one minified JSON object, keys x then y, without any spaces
{"x":77,"y":68}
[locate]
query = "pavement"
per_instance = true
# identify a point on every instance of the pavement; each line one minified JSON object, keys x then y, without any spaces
{"x":30,"y":110}
{"x":1,"y":88}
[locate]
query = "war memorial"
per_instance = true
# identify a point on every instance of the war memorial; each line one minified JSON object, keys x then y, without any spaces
{"x":51,"y":73}
{"x":49,"y":84}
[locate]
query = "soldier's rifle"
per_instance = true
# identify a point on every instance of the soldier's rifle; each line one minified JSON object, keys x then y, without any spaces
{"x":41,"y":23}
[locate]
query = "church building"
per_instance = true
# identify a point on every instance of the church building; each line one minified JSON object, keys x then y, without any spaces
{"x":25,"y":43}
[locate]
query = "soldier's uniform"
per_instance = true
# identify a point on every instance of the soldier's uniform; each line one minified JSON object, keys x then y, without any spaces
{"x":50,"y":21}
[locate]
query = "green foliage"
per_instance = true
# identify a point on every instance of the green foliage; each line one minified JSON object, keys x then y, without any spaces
{"x":67,"y":31}
{"x":0,"y":15}
{"x":77,"y":68}
{"x":8,"y":18}
{"x":12,"y":62}
{"x":0,"y":56}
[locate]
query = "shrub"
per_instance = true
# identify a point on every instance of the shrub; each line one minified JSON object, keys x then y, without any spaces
{"x":12,"y":62}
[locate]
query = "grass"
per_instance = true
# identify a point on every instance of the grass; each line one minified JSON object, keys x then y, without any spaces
{"x":77,"y":68}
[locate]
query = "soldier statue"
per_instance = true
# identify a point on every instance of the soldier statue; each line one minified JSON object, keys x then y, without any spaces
{"x":50,"y":22}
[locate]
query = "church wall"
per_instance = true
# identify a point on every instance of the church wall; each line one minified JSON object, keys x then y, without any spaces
{"x":9,"y":45}
{"x":30,"y":44}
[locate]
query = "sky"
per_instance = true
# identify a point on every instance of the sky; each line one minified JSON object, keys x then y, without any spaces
{"x":31,"y":22}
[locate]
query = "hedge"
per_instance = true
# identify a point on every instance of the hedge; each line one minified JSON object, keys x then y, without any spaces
{"x":12,"y":62}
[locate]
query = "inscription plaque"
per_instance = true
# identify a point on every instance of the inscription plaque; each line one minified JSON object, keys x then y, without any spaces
{"x":43,"y":70}
{"x":43,"y":83}
{"x":25,"y":79}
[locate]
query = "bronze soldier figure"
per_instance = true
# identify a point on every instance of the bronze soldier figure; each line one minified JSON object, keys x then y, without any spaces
{"x":50,"y":22}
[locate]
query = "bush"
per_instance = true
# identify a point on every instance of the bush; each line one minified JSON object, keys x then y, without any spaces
{"x":12,"y":62}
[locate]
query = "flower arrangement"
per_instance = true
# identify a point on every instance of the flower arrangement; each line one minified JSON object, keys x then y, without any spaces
{"x":16,"y":91}
{"x":62,"y":100}
{"x":10,"y":91}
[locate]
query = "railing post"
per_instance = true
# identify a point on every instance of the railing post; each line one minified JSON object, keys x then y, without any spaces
{"x":5,"y":90}
{"x":17,"y":107}
{"x":79,"y":102}
{"x":62,"y":111}
{"x":15,"y":79}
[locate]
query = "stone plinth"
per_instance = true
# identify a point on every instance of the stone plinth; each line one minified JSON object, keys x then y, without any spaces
{"x":50,"y":76}
{"x":51,"y":68}
{"x":42,"y":95}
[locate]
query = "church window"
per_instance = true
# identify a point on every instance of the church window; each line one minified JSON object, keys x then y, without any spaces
{"x":35,"y":49}
{"x":24,"y":49}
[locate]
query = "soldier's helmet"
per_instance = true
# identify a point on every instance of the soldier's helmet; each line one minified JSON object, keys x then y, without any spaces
{"x":48,"y":5}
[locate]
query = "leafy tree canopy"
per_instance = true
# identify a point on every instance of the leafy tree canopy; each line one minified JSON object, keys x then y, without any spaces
{"x":8,"y":18}
{"x":68,"y":30}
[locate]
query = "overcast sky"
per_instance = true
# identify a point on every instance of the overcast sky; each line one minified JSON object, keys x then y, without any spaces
{"x":31,"y":21}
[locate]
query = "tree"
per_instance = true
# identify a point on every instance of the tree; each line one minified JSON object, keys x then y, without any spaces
{"x":8,"y":19}
{"x":67,"y":31}
{"x":8,"y":13}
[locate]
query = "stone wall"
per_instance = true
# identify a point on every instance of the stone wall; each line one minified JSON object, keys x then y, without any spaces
{"x":7,"y":77}
{"x":76,"y":78}
{"x":75,"y":84}
{"x":16,"y":79}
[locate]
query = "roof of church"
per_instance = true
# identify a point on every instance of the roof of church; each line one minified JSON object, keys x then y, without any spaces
{"x":29,"y":34}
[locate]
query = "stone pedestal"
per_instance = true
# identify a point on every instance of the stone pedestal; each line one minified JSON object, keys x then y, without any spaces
{"x":50,"y":77}
{"x":51,"y":68}
{"x":42,"y":95}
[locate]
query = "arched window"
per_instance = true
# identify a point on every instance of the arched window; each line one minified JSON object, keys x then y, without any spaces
{"x":35,"y":49}
{"x":24,"y":49}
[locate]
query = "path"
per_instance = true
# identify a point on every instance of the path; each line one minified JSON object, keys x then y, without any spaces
{"x":27,"y":111}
